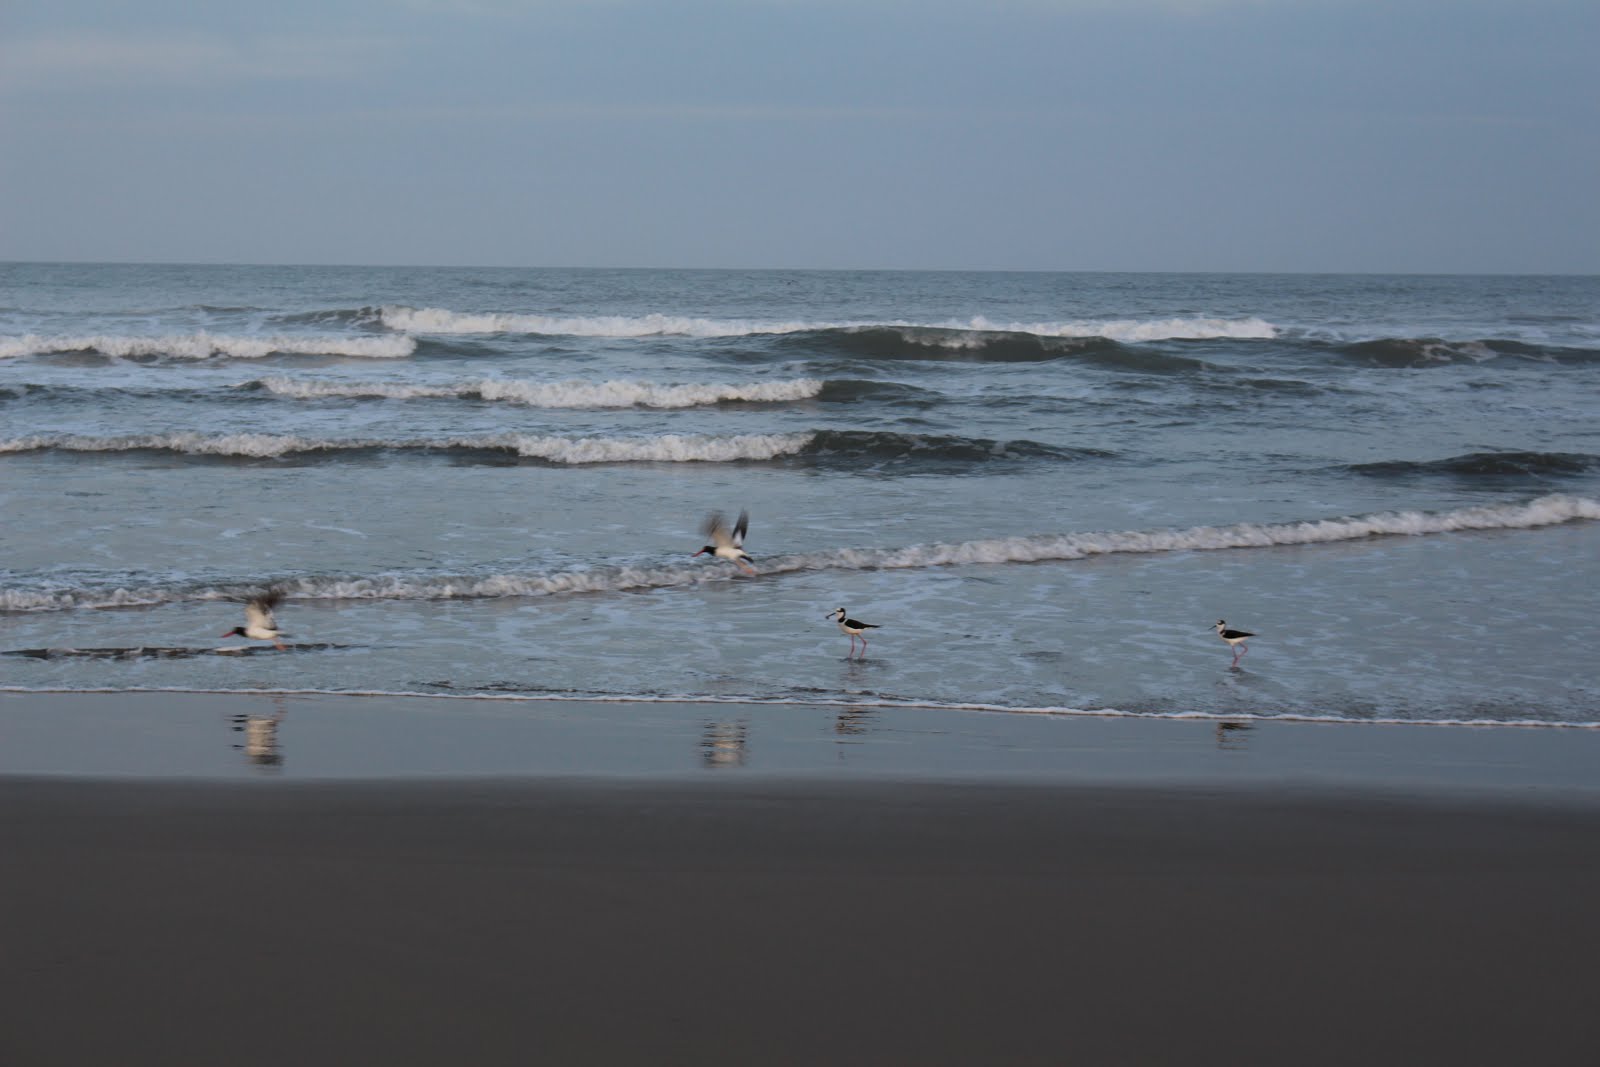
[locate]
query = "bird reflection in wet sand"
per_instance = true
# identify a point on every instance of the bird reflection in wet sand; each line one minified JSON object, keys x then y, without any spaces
{"x":724,"y":744}
{"x":261,"y":738}
{"x":853,"y":721}
{"x":1233,"y":735}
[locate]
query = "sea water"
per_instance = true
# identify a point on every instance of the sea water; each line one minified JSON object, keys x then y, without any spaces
{"x":1044,"y":488}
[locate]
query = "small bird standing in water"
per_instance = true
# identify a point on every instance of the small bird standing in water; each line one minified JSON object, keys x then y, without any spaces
{"x":853,"y":628}
{"x":726,"y":544}
{"x":259,"y":623}
{"x":1236,"y":640}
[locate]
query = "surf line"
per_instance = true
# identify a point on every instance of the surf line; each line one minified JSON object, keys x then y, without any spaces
{"x":1064,"y":713}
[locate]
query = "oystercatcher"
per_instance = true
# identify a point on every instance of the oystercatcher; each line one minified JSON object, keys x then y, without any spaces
{"x":726,"y":544}
{"x":1236,"y":639}
{"x":259,"y":624}
{"x":853,"y":628}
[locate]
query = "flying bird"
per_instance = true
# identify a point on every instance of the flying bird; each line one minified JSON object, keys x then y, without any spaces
{"x":259,"y":623}
{"x":725,"y":543}
{"x":853,"y":629}
{"x":1236,"y":639}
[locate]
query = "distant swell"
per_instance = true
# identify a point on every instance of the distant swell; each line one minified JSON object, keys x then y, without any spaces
{"x":569,"y":394}
{"x":1489,"y":464}
{"x":1545,"y":511}
{"x":209,"y":346}
{"x":1432,"y":351}
{"x":883,"y":445}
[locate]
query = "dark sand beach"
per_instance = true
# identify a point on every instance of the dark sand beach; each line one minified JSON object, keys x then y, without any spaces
{"x":609,"y":915}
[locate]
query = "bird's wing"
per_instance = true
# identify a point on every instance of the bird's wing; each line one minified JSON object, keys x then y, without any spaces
{"x":716,"y":529}
{"x":740,"y":528}
{"x":258,"y":613}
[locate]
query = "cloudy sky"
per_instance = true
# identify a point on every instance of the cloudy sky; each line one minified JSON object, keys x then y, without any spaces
{"x":1262,"y":135}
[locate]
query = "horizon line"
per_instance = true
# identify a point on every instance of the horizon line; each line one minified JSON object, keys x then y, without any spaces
{"x":794,"y":270}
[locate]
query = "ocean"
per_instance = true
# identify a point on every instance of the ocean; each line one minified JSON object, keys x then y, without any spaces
{"x":1045,"y":489}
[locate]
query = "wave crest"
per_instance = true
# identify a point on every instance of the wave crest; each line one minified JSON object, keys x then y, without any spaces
{"x":665,"y":448}
{"x":848,"y":447}
{"x":568,"y":394}
{"x":950,"y":333}
{"x":1544,"y":511}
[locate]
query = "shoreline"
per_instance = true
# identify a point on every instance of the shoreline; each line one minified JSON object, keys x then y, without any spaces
{"x":257,"y":879}
{"x":1329,"y":719}
{"x":329,"y":737}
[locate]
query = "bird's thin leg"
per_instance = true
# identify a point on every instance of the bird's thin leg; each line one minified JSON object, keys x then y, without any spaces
{"x":863,"y":646}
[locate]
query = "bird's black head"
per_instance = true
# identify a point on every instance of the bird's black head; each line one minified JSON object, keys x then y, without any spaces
{"x":708,"y":550}
{"x":237,"y":631}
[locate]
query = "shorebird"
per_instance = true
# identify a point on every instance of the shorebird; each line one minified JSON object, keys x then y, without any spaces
{"x":259,"y":624}
{"x":1235,"y":638}
{"x":726,"y":544}
{"x":853,"y":628}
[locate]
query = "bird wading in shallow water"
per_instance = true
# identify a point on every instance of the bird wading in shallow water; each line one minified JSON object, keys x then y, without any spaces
{"x":727,"y":544}
{"x":854,"y":628}
{"x":1236,"y":639}
{"x":259,"y":623}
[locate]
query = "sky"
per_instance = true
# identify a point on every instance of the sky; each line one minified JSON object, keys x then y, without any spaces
{"x":1453,"y":136}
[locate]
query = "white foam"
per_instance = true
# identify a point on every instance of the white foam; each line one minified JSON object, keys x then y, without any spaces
{"x":567,"y":394}
{"x":978,"y":332}
{"x":1545,"y":511}
{"x":663,"y":448}
{"x":442,"y":321}
{"x":209,"y":345}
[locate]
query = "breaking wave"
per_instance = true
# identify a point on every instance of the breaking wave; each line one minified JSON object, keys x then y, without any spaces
{"x":1544,"y":511}
{"x":568,"y":394}
{"x":664,"y":448}
{"x":951,"y":333}
{"x":208,"y":346}
{"x":821,"y":446}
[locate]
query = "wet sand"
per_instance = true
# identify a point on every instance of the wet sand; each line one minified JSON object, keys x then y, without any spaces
{"x":243,"y":879}
{"x":742,"y":921}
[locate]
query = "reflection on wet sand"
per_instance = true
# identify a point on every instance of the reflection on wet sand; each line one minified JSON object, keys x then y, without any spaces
{"x":261,"y":737}
{"x":853,"y":721}
{"x":724,"y":744}
{"x":1234,"y":736}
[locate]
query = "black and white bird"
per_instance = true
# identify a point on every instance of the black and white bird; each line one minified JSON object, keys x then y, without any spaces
{"x":727,"y":544}
{"x":854,"y":628}
{"x":1236,"y":639}
{"x":259,"y":623}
